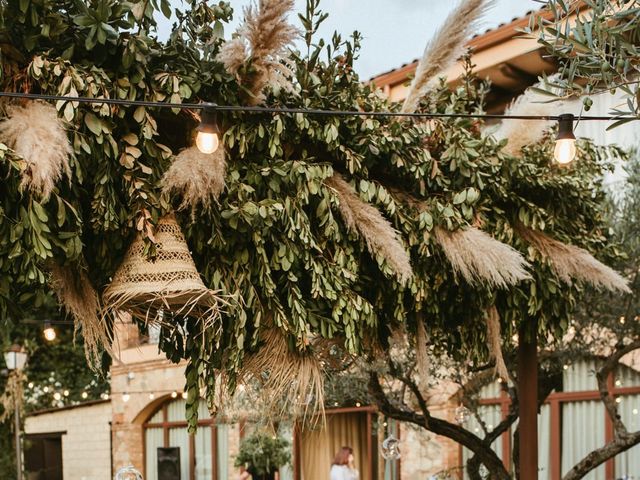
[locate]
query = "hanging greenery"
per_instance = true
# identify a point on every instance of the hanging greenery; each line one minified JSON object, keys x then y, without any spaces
{"x":327,"y":228}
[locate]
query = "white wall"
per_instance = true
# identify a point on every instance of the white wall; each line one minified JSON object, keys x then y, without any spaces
{"x":86,"y":447}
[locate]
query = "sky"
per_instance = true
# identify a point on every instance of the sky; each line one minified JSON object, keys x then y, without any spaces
{"x":395,"y":31}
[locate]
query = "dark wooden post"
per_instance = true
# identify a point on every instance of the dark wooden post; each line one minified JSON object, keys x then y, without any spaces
{"x":528,"y":401}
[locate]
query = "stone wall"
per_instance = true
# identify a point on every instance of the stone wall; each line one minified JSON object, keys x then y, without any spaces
{"x":85,"y":445}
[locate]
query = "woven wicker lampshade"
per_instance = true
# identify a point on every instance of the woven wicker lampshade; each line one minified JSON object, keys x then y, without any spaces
{"x":168,"y":282}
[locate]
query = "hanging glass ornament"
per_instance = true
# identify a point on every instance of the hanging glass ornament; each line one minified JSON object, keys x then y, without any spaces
{"x":390,"y":448}
{"x":462,"y":415}
{"x":128,"y":473}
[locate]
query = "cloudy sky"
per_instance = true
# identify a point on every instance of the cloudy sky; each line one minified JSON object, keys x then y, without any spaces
{"x":395,"y":31}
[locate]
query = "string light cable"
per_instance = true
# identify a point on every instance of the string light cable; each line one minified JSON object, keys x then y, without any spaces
{"x":306,"y":111}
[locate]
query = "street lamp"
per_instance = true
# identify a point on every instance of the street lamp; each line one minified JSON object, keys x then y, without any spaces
{"x":16,"y":359}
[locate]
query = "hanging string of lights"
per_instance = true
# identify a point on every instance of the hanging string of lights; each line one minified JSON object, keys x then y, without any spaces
{"x":208,"y":132}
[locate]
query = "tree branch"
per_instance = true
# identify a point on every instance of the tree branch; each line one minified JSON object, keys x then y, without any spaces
{"x":440,"y":427}
{"x":623,"y":440}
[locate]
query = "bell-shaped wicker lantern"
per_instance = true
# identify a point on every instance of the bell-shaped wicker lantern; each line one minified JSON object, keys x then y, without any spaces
{"x":168,"y":282}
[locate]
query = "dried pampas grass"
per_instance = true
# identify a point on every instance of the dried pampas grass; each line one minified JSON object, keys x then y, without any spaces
{"x":37,"y":134}
{"x":480,"y":259}
{"x":444,"y":49}
{"x":289,"y":382}
{"x":258,"y":53}
{"x":380,"y":236}
{"x":423,"y":363}
{"x":494,"y":341}
{"x":197,"y":177}
{"x":573,"y":263}
{"x":75,"y":293}
{"x":13,"y":396}
{"x":521,"y":133}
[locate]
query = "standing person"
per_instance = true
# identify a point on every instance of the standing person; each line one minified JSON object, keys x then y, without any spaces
{"x":343,"y":467}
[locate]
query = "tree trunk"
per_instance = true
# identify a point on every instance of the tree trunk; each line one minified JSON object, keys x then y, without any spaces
{"x":528,"y":401}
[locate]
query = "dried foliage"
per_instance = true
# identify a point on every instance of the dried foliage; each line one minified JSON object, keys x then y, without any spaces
{"x":258,"y":54}
{"x":573,"y":263}
{"x":288,"y":382}
{"x":423,"y":363}
{"x":76,"y":294}
{"x":379,"y":235}
{"x":444,"y":49}
{"x":37,"y":134}
{"x":521,"y":133}
{"x":494,"y":342}
{"x":197,"y":177}
{"x":480,"y":259}
{"x":13,"y":395}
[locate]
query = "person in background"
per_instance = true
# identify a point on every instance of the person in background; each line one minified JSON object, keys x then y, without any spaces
{"x":343,"y":467}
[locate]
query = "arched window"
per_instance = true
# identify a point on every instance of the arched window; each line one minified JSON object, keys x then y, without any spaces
{"x":203,"y":456}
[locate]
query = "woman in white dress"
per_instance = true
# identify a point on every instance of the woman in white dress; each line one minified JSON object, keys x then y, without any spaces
{"x":343,"y":467}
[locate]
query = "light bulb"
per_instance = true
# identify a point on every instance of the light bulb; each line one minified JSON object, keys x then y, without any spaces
{"x":174,"y":394}
{"x":57,"y":396}
{"x":184,"y":395}
{"x":49,"y":332}
{"x":207,"y":142}
{"x":85,"y":395}
{"x":126,"y":397}
{"x":151,"y":396}
{"x":208,"y":137}
{"x":565,"y":151}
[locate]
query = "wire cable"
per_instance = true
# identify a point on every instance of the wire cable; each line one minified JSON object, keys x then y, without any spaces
{"x":286,"y":110}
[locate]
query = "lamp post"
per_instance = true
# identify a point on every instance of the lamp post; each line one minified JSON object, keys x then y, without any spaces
{"x":16,"y":358}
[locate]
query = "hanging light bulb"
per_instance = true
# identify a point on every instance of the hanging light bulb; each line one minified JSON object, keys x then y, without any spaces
{"x":184,"y":395}
{"x":565,"y":151}
{"x":208,"y":137}
{"x":84,"y":395}
{"x":152,"y":396}
{"x":49,"y":332}
{"x":174,"y":394}
{"x":126,"y":397}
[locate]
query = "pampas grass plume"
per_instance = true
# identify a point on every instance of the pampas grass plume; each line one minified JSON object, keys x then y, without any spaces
{"x":37,"y":134}
{"x":521,"y":133}
{"x":480,"y":259}
{"x":197,"y":177}
{"x":573,"y":263}
{"x":379,"y":235}
{"x":75,"y":293}
{"x":263,"y":40}
{"x":494,"y":341}
{"x":444,"y":49}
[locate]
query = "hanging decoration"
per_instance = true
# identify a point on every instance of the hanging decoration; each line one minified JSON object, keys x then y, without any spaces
{"x":37,"y":134}
{"x":480,"y":259}
{"x":287,"y":382}
{"x":573,"y":263}
{"x":258,"y":53}
{"x":144,"y":286}
{"x":390,"y":448}
{"x":423,"y":363}
{"x":197,"y":177}
{"x":444,"y":49}
{"x":462,"y":415}
{"x":128,"y":473}
{"x":379,"y":235}
{"x":494,"y":342}
{"x":76,"y":294}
